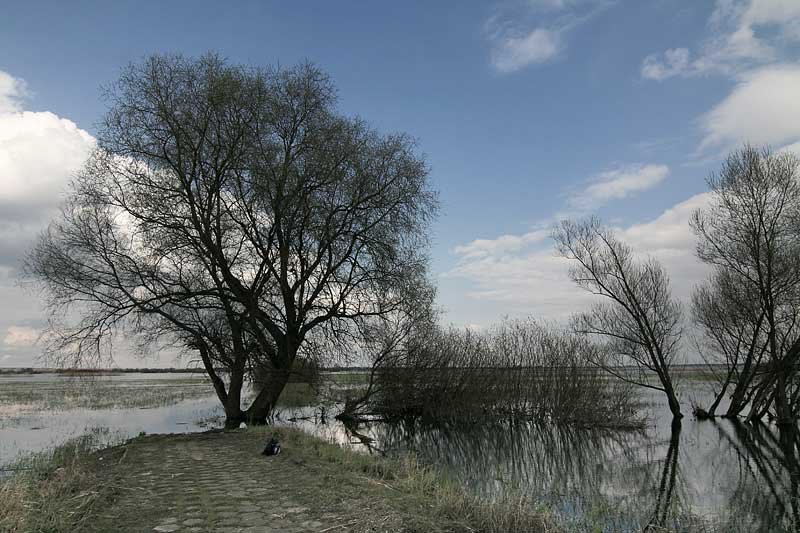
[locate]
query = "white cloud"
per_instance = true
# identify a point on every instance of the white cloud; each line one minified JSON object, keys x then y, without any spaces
{"x":12,"y":91}
{"x":676,"y":61}
{"x":39,"y":152}
{"x":534,"y":32}
{"x":20,"y":337}
{"x":617,"y":184}
{"x":669,"y":239}
{"x":531,"y":278}
{"x":513,"y":52}
{"x":763,"y":108}
{"x":522,"y":271}
{"x":783,"y":13}
{"x":743,"y":34}
{"x":793,"y":148}
{"x":502,"y":244}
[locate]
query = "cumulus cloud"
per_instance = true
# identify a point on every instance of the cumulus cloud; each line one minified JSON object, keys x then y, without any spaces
{"x":533,"y":278}
{"x":783,"y":13}
{"x":763,"y":108}
{"x":20,"y":337}
{"x":618,"y":184}
{"x":669,"y":239}
{"x":742,"y":35}
{"x":39,"y":152}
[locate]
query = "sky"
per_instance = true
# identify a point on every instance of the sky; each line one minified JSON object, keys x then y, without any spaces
{"x":529,"y":111}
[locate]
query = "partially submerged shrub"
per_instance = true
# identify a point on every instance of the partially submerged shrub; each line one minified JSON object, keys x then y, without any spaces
{"x":520,"y":368}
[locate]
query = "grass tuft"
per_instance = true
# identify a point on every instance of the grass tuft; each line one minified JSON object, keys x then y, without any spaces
{"x":442,"y":504}
{"x":56,"y":490}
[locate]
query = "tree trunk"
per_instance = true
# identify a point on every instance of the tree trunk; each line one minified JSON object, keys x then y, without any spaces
{"x":230,"y":398}
{"x":737,"y":400}
{"x":781,"y":403}
{"x":713,"y":409}
{"x":672,"y":399}
{"x":233,"y":405}
{"x":264,"y":403}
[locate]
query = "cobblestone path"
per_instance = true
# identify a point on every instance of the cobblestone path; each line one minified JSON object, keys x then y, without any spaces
{"x":219,"y":482}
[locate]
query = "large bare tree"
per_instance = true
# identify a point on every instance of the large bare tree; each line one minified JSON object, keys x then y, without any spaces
{"x":749,"y":310}
{"x":639,"y":319}
{"x":233,"y":212}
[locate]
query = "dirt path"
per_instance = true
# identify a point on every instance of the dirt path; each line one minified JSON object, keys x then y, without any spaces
{"x":220,"y":482}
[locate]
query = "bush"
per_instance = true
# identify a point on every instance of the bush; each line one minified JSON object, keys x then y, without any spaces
{"x":519,"y":368}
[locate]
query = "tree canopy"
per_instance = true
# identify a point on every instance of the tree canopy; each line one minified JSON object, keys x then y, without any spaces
{"x":233,"y":212}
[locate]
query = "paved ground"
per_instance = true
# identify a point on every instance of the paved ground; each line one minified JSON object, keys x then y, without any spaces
{"x":220,"y":482}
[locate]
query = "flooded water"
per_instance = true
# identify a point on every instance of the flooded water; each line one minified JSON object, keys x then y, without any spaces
{"x":733,"y":476}
{"x":700,"y":475}
{"x":40,"y":411}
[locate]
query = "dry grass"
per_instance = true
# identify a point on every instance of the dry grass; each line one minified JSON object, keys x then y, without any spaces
{"x":433,"y":502}
{"x":58,"y":490}
{"x":63,"y":490}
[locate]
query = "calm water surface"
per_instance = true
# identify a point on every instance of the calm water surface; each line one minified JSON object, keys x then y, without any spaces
{"x":715,"y":475}
{"x":42,"y":410}
{"x":734,"y":476}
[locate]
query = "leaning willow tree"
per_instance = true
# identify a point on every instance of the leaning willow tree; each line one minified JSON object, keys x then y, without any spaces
{"x":639,"y":319}
{"x":232,"y":212}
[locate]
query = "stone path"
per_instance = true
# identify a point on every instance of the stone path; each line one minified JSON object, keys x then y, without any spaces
{"x":219,"y":482}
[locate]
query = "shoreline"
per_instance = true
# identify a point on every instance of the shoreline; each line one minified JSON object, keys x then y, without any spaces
{"x":218,"y":481}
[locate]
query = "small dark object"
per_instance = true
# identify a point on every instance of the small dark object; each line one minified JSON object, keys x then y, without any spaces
{"x":701,"y":414}
{"x":273,"y":447}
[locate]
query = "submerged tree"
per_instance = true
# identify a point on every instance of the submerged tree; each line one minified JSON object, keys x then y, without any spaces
{"x":731,"y":321}
{"x":749,"y":310}
{"x":640,"y":320}
{"x":232,"y":212}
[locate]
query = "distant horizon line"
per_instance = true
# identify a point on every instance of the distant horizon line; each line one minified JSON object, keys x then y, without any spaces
{"x":132,"y":370}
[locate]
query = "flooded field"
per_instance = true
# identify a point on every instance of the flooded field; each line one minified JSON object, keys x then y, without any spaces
{"x":38,"y":411}
{"x":703,"y":474}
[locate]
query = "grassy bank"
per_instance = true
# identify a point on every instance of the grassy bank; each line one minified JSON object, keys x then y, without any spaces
{"x":58,"y":490}
{"x":214,"y":478}
{"x":74,"y":489}
{"x":441,"y":504}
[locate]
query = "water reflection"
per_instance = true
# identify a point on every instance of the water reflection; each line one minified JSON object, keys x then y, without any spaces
{"x":664,"y":502}
{"x":739,"y":477}
{"x":723,"y":474}
{"x":763,"y":479}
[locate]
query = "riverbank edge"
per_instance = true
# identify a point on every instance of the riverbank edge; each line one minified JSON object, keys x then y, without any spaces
{"x":65,"y":488}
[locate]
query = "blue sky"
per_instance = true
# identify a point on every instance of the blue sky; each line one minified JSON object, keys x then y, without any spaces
{"x":528,"y":111}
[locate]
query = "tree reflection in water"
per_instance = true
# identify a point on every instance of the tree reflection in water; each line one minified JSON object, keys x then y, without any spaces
{"x":565,"y":467}
{"x":732,"y":476}
{"x":764,"y":483}
{"x":665,"y":506}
